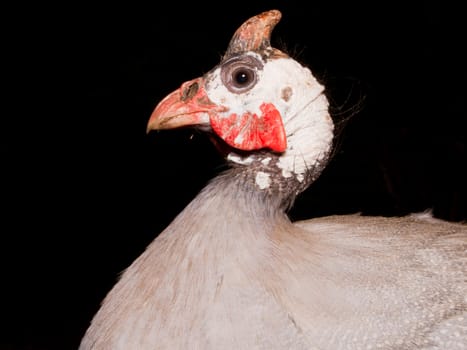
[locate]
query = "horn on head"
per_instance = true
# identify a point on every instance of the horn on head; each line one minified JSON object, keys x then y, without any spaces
{"x":254,"y":34}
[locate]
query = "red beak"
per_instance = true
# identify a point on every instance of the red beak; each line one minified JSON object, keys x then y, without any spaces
{"x":188,"y":105}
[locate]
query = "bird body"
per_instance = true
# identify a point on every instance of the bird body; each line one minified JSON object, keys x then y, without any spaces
{"x":233,"y":272}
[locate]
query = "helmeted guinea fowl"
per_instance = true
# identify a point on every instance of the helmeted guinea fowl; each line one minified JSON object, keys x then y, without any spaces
{"x":233,"y":272}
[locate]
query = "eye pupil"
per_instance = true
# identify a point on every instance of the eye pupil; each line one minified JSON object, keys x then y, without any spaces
{"x":242,"y":77}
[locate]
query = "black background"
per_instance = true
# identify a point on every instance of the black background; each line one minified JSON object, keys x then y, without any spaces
{"x":84,"y":189}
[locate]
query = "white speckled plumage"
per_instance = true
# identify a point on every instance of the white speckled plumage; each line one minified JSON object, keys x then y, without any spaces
{"x":339,"y":282}
{"x":233,"y":272}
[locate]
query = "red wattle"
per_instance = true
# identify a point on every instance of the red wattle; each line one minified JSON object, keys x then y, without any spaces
{"x":252,"y":132}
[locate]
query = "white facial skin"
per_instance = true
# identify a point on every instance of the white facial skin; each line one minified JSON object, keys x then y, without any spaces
{"x":298,"y":97}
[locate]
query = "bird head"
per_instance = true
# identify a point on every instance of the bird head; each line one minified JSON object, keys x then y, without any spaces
{"x":265,"y":106}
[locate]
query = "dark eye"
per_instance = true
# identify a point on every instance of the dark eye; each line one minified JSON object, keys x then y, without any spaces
{"x":240,"y":74}
{"x":242,"y":77}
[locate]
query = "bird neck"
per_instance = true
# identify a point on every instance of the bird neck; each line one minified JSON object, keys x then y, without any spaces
{"x":236,"y":194}
{"x":227,"y":220}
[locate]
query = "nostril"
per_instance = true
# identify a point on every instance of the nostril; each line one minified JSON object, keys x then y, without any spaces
{"x":190,"y":91}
